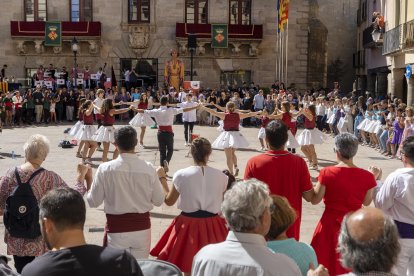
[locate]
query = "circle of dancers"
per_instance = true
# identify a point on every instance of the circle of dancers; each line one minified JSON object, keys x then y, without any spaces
{"x":230,"y":138}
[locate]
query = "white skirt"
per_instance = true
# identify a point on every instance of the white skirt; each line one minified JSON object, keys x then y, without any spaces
{"x":142,"y":120}
{"x":262,"y":133}
{"x":74,"y":130}
{"x":292,"y":143}
{"x":341,"y":123}
{"x":86,"y":133}
{"x":363,"y":124}
{"x":331,"y":119}
{"x":371,"y":126}
{"x":230,"y":139}
{"x":378,"y":127}
{"x":105,"y":134}
{"x":311,"y":137}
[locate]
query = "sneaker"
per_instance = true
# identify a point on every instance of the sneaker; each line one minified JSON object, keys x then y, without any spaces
{"x":236,"y":172}
{"x":186,"y":144}
{"x":88,"y":161}
{"x":262,"y":149}
{"x":166,"y":168}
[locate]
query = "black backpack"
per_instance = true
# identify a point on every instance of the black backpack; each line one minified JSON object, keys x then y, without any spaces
{"x":21,"y":215}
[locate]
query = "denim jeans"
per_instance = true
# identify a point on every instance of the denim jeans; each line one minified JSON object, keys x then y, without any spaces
{"x":358,"y":120}
{"x":383,"y":139}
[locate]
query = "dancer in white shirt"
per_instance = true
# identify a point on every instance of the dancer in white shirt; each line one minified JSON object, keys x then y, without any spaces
{"x":164,"y":116}
{"x":395,"y":197}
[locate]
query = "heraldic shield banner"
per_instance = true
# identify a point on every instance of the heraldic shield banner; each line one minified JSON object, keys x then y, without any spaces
{"x":219,"y":36}
{"x":53,"y":33}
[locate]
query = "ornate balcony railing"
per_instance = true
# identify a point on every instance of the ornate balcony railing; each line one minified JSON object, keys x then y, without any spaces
{"x":392,"y":40}
{"x":408,"y":35}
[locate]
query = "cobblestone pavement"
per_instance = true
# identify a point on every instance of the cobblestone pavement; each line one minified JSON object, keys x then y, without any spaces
{"x":63,"y":161}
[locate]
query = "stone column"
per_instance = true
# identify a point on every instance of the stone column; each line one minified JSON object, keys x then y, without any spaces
{"x":397,"y":76}
{"x":410,"y":90}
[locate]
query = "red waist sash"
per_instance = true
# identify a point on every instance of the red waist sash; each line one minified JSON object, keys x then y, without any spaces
{"x":165,"y":128}
{"x":129,"y":222}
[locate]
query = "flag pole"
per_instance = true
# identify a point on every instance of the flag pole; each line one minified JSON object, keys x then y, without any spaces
{"x":287,"y":40}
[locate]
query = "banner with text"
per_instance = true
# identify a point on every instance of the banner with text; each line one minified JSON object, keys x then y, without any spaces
{"x":219,"y":36}
{"x":53,"y":34}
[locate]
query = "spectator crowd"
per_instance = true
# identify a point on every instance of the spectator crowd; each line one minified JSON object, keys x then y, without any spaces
{"x":237,"y":227}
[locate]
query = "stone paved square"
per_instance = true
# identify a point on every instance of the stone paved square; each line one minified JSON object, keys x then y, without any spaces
{"x":64,"y":161}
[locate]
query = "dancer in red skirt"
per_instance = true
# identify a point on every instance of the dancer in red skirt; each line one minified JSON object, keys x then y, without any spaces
{"x":199,"y":190}
{"x":344,"y":188}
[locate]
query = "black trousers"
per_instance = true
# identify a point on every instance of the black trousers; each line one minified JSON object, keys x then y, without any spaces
{"x":166,"y":146}
{"x":186,"y":126}
{"x":21,"y":261}
{"x":17,"y":115}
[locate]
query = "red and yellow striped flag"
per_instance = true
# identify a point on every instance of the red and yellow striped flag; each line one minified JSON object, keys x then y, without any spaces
{"x":283,"y":14}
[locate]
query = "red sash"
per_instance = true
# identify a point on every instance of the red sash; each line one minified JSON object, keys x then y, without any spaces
{"x":129,"y":222}
{"x":165,"y":128}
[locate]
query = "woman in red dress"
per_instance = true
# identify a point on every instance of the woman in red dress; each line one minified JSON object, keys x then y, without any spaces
{"x":344,"y":188}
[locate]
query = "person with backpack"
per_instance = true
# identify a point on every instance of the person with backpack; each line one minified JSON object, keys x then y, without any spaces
{"x":20,"y":191}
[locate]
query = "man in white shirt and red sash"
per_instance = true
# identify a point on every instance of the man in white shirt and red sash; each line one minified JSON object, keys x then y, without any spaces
{"x":396,"y":198}
{"x":164,"y":116}
{"x":129,"y":188}
{"x":17,"y":101}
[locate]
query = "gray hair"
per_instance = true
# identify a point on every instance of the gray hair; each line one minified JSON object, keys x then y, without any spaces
{"x":36,"y":147}
{"x":346,"y":144}
{"x":383,"y":251}
{"x":244,"y":204}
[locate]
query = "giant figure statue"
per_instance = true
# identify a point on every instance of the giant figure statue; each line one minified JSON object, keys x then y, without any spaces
{"x":174,"y":72}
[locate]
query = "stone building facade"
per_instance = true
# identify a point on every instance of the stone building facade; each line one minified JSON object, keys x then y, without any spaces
{"x":124,"y":41}
{"x":398,"y":47}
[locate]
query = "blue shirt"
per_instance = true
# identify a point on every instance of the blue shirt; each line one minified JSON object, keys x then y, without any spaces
{"x":302,"y":253}
{"x":135,"y":96}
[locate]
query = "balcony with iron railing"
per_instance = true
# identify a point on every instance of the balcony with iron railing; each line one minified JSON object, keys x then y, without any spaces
{"x":392,"y":40}
{"x":408,"y":35}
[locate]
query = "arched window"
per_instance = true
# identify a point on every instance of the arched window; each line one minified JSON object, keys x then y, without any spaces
{"x":139,"y":11}
{"x":35,"y":10}
{"x":196,"y":11}
{"x":80,"y":10}
{"x":240,"y":12}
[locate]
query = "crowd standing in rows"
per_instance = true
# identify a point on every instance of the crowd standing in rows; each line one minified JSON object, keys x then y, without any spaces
{"x":266,"y":206}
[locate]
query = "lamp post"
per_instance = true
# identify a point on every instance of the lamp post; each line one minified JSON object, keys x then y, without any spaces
{"x":75,"y":49}
{"x":376,"y":35}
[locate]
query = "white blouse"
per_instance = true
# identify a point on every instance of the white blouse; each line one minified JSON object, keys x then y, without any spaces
{"x":198,"y":190}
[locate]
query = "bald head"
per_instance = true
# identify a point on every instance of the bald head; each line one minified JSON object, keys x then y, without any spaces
{"x":368,"y":230}
{"x":357,"y":224}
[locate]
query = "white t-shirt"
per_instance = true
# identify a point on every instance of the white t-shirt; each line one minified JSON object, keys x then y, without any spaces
{"x":200,"y":191}
{"x":98,"y":102}
{"x":189,"y":116}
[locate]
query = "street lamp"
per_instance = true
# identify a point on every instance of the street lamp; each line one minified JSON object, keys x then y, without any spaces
{"x":75,"y":49}
{"x":376,"y":35}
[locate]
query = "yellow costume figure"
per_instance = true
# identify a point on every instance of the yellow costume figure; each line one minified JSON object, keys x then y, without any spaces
{"x":174,"y":72}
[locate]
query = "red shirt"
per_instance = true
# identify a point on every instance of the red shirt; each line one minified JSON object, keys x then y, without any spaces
{"x":231,"y":121}
{"x":142,"y":106}
{"x":310,"y":124}
{"x":286,"y":175}
{"x":265,"y":121}
{"x":108,"y":119}
{"x":287,"y":120}
{"x":88,"y":119}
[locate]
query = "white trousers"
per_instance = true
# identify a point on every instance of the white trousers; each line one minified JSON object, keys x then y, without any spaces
{"x":405,"y":263}
{"x":137,"y":243}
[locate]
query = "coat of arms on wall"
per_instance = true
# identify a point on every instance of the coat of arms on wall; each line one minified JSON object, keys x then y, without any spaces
{"x":138,"y":37}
